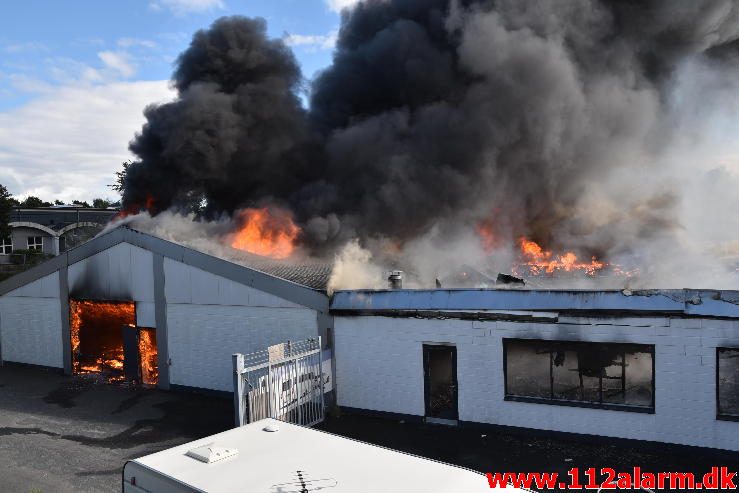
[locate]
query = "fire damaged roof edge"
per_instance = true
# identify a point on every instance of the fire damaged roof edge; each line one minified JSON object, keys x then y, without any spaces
{"x":286,"y":289}
{"x":687,"y":302}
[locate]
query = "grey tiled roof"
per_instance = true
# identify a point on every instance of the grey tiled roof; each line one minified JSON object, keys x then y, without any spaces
{"x":265,"y":278}
{"x":313,"y":275}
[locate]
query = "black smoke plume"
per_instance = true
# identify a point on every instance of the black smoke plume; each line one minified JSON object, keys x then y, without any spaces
{"x":237,"y":134}
{"x":433,"y":112}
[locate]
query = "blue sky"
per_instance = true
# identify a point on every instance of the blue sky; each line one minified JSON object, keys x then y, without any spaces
{"x":76,"y":75}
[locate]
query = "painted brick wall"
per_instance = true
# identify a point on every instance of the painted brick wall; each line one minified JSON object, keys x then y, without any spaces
{"x":20,"y":236}
{"x":30,"y":324}
{"x":379,"y":367}
{"x":122,"y":272}
{"x":209,"y":318}
{"x":202,"y":338}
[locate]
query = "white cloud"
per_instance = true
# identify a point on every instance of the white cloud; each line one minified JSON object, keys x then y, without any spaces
{"x":67,"y":71}
{"x":25,"y":47}
{"x":135,"y":42}
{"x":118,"y":61}
{"x":182,"y":7}
{"x":339,"y":5}
{"x":312,"y":41}
{"x":25,"y":84}
{"x":68,"y":142}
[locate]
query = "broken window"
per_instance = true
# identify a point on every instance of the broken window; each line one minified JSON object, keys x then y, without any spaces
{"x":589,"y":373}
{"x":728,"y":382}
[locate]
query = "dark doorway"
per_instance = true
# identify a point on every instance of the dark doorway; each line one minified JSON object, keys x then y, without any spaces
{"x":440,"y":382}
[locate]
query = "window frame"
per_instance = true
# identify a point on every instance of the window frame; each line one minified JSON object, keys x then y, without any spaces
{"x":643,"y":348}
{"x":4,"y":245}
{"x":39,"y":248}
{"x":719,"y":415}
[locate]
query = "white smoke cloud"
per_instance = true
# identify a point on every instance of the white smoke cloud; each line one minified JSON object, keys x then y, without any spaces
{"x":354,"y":269}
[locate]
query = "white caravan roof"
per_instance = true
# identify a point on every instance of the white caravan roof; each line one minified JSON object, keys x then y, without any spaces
{"x":296,"y":459}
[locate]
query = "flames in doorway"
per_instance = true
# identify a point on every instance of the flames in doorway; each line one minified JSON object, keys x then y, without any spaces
{"x":97,"y":339}
{"x":149,"y":370}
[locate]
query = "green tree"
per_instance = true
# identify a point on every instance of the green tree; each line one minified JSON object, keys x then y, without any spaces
{"x":80,"y":203}
{"x":101,"y":203}
{"x":58,"y":202}
{"x":6,"y":206}
{"x":32,"y":202}
{"x":120,"y":178}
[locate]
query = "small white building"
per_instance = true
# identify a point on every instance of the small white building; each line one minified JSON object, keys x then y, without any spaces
{"x":187,"y":312}
{"x":660,"y":366}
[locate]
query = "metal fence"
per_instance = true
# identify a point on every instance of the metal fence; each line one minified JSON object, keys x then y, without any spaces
{"x":284,"y":382}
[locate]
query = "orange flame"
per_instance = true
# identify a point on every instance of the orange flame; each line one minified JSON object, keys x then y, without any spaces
{"x":487,"y":237}
{"x":269,"y":232}
{"x":148,"y":356}
{"x":109,"y":314}
{"x":136,"y":207}
{"x":539,"y":261}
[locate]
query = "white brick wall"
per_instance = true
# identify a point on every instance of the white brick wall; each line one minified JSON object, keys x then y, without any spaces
{"x":30,"y":323}
{"x":202,"y":338}
{"x":123,"y":271}
{"x":30,"y":331}
{"x":209,"y":318}
{"x":186,"y":284}
{"x":379,"y":367}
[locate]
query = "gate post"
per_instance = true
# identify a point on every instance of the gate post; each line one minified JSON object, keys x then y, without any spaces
{"x":320,"y":366}
{"x":270,"y":397}
{"x":297,"y":392}
{"x":238,"y":367}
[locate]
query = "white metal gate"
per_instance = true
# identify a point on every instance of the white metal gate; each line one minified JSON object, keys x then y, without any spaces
{"x":284,"y":382}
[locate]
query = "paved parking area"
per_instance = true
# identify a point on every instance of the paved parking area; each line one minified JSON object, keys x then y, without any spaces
{"x":487,"y":450}
{"x":62,"y":434}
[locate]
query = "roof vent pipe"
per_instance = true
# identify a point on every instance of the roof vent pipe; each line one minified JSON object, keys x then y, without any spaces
{"x":396,"y":279}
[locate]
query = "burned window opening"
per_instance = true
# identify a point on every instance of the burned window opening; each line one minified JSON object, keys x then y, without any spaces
{"x":727,"y":383}
{"x":603,"y":375}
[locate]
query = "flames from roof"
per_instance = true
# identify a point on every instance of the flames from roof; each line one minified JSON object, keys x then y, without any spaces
{"x":265,"y":232}
{"x":565,"y":119}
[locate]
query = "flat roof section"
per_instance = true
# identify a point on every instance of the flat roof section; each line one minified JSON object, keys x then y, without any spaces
{"x":688,"y":302}
{"x":294,"y":457}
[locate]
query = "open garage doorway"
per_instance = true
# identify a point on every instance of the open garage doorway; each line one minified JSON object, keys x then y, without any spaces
{"x":106,"y":341}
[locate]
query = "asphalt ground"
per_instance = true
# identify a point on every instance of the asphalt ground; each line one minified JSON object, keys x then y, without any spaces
{"x":487,"y":449}
{"x":74,"y":434}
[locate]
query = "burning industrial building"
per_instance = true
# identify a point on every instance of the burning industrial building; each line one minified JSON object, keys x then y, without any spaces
{"x":560,"y":155}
